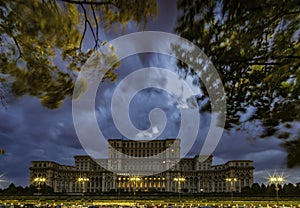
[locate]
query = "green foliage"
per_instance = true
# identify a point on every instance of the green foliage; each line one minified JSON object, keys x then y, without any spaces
{"x":32,"y":32}
{"x":124,"y":11}
{"x":41,"y":41}
{"x":254,"y":46}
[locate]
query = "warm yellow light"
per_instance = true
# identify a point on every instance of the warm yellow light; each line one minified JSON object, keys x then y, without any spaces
{"x":276,"y":179}
{"x":179,"y":179}
{"x":231,"y":179}
{"x":135,"y":179}
{"x":38,"y":179}
{"x":81,"y":179}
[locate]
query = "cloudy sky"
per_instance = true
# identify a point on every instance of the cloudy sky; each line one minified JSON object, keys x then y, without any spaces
{"x":29,"y":131}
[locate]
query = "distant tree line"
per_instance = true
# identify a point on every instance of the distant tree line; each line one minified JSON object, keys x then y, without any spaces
{"x":269,"y":190}
{"x":28,"y":190}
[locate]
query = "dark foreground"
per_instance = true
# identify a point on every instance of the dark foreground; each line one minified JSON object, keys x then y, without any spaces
{"x":145,"y":202}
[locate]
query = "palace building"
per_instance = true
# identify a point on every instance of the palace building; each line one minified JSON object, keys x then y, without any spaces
{"x":144,"y":166}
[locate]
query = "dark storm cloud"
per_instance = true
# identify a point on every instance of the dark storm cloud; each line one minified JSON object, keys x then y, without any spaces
{"x":35,"y":133}
{"x":8,"y":125}
{"x":167,"y":17}
{"x":236,"y":146}
{"x":141,"y":105}
{"x":48,"y":125}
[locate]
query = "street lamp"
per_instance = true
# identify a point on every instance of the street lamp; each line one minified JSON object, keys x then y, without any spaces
{"x":39,"y":180}
{"x":232,"y":186}
{"x":82,"y":180}
{"x":119,"y":186}
{"x":179,"y":180}
{"x":276,"y":180}
{"x":134,"y":180}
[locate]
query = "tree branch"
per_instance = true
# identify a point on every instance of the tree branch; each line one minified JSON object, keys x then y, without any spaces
{"x":89,"y":23}
{"x":277,"y":16}
{"x":265,"y":63}
{"x":83,"y":34}
{"x":251,"y":63}
{"x":254,"y":61}
{"x":15,"y":41}
{"x":89,"y":2}
{"x":96,"y":22}
{"x":273,"y":57}
{"x":18,"y":46}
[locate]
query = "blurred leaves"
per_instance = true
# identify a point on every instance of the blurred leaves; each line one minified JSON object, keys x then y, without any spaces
{"x":41,"y":42}
{"x":254,"y":46}
{"x":96,"y":68}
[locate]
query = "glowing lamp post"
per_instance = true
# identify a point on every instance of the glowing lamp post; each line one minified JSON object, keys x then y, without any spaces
{"x":179,"y":180}
{"x":276,"y":180}
{"x":134,"y":181}
{"x":82,"y":180}
{"x":232,"y":182}
{"x":119,"y":186}
{"x":39,"y":181}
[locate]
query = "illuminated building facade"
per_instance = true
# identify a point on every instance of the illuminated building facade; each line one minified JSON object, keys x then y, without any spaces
{"x":126,"y":169}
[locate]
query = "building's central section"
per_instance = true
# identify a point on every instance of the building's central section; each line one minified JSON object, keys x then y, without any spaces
{"x":143,"y":157}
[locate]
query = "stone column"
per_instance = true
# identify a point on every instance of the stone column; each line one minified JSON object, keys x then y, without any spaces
{"x":103,"y":183}
{"x":168,"y":185}
{"x":198,"y":185}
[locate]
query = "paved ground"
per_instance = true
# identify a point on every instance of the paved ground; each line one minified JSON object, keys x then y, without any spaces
{"x":144,"y":203}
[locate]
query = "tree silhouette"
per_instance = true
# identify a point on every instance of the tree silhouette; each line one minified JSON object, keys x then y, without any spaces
{"x":256,"y":50}
{"x":41,"y":42}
